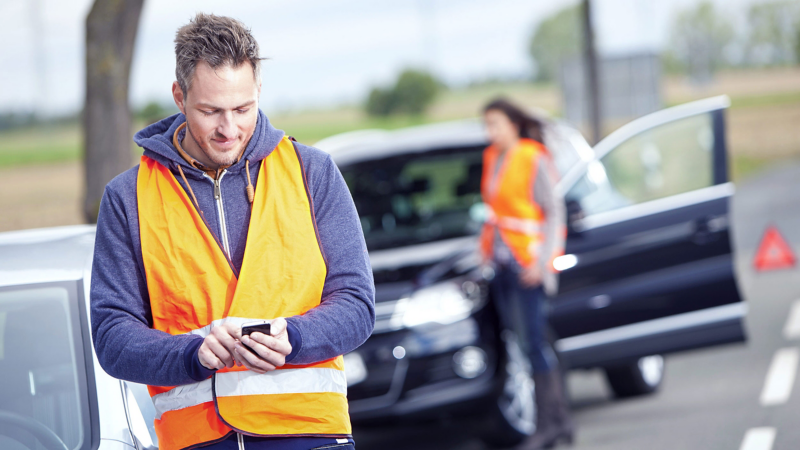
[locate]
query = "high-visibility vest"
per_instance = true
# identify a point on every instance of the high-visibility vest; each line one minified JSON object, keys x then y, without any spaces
{"x":193,"y":287}
{"x":508,"y":194}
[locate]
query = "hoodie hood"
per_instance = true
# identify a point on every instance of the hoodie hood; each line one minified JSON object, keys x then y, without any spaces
{"x":156,"y":140}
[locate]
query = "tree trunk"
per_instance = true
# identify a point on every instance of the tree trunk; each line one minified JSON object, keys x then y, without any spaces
{"x":110,"y":36}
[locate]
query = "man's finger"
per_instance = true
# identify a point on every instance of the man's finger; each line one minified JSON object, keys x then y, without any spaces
{"x":225,"y":334}
{"x":281,"y":346}
{"x":252,"y":361}
{"x":235,"y":331}
{"x":277,"y":326}
{"x":220,"y":351}
{"x":208,"y":359}
{"x":265,"y":352}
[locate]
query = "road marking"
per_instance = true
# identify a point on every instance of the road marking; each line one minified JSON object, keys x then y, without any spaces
{"x":758,"y":439}
{"x":792,"y":329}
{"x":780,"y":377}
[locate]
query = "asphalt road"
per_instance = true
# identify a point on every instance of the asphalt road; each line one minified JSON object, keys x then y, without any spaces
{"x":740,"y":396}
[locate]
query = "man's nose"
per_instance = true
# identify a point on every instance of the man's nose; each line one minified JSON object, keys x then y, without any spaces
{"x":227,"y":126}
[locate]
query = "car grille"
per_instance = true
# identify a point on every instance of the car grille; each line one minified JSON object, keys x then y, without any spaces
{"x":377,"y":383}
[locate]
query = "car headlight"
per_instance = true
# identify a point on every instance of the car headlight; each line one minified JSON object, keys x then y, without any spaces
{"x":442,"y":303}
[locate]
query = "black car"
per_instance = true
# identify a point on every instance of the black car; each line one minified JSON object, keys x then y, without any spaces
{"x":648,"y":268}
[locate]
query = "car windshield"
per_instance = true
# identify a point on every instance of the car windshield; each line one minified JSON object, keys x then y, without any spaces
{"x":43,"y":394}
{"x":417,"y":198}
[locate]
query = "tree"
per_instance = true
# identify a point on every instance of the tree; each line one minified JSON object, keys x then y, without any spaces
{"x":412,"y":93}
{"x":379,"y":102}
{"x":558,"y":37}
{"x":773,"y":33}
{"x":699,"y":37}
{"x":111,"y":28}
{"x":154,"y":111}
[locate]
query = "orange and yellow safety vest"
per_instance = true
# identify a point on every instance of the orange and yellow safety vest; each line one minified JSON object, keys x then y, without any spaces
{"x":507,"y":192}
{"x":193,"y":288}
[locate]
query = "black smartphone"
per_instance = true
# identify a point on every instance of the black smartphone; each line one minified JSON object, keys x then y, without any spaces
{"x":261,"y":326}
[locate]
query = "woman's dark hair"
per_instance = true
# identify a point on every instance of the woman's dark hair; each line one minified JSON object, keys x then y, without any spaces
{"x":528,"y":126}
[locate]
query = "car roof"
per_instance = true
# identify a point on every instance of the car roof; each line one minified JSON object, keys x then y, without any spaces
{"x":364,"y":145}
{"x":347,"y":148}
{"x":45,"y":254}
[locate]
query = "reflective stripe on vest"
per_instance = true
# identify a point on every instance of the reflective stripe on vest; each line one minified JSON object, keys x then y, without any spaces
{"x":193,"y":288}
{"x":526,"y":226}
{"x":507,"y":193}
{"x":230,"y":384}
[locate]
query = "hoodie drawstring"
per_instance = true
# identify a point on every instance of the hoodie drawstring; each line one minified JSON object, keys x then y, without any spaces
{"x":250,"y":192}
{"x":196,"y":204}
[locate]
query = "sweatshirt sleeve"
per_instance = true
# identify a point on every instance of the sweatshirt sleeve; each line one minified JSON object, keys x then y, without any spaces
{"x":346,"y":315}
{"x":126,"y":345}
{"x":554,"y":212}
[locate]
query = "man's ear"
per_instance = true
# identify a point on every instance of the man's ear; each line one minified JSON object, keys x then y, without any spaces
{"x":177,"y":95}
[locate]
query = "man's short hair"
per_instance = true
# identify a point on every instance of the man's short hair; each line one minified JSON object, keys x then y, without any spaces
{"x":217,"y":40}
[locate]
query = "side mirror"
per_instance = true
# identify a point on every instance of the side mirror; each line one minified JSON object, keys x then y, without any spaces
{"x":574,"y":215}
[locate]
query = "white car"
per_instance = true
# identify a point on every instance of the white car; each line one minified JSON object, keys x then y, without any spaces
{"x":54,"y":395}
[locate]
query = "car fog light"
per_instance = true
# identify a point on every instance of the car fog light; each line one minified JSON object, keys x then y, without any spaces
{"x":469,"y":362}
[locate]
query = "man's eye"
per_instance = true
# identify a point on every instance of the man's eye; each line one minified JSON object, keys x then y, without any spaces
{"x":242,"y":111}
{"x":207,"y":113}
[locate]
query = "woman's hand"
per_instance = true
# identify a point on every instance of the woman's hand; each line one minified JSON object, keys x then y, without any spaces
{"x":531,"y":276}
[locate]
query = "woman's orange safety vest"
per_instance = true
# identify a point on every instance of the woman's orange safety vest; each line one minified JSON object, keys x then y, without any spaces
{"x":193,"y":288}
{"x":512,"y":211}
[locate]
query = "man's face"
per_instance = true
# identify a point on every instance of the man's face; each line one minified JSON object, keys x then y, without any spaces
{"x":221,"y":110}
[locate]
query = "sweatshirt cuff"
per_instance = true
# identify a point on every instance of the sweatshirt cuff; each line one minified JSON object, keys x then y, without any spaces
{"x":191,"y":360}
{"x":294,"y":340}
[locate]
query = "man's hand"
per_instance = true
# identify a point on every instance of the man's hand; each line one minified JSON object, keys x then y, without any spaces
{"x":217,"y":348}
{"x":272,"y":349}
{"x":531,"y":276}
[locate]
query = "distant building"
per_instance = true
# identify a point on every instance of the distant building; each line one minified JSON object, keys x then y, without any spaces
{"x":630,"y":86}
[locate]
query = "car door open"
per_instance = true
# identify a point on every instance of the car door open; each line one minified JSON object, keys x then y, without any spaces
{"x":648,"y":266}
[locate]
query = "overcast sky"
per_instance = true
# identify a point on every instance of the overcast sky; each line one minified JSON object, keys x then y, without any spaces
{"x":321,"y":52}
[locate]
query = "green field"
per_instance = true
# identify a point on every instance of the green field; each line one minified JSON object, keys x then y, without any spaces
{"x":42,"y":144}
{"x":42,"y":179}
{"x":759,"y":106}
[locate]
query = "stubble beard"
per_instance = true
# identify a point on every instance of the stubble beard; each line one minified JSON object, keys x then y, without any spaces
{"x":220,"y":159}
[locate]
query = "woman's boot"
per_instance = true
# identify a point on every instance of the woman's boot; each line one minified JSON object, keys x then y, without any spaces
{"x":553,"y":421}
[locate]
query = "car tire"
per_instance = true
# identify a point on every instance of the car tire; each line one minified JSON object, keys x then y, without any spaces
{"x":641,"y":377}
{"x":512,"y":417}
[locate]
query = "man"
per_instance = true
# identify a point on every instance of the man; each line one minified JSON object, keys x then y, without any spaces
{"x":227,"y":221}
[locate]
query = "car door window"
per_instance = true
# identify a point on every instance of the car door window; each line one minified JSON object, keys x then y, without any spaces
{"x":40,"y":370}
{"x":665,"y":160}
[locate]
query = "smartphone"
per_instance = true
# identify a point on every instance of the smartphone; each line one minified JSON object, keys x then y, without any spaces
{"x":261,"y":326}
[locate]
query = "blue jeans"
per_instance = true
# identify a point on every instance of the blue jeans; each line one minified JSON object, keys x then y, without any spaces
{"x":523,"y":310}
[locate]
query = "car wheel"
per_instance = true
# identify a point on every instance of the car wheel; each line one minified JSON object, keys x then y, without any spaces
{"x":640,"y":377}
{"x":513,"y":414}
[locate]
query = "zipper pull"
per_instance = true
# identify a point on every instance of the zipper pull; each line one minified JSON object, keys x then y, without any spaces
{"x":217,"y":193}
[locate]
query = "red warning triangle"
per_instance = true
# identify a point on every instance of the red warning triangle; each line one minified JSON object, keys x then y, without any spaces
{"x":773,"y":253}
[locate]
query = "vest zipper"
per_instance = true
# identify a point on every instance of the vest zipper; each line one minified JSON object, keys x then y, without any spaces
{"x":223,"y":228}
{"x":240,"y":439}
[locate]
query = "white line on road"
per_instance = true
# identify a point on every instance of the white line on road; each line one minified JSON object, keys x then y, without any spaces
{"x":792,"y":329}
{"x":780,"y":377}
{"x":758,"y":439}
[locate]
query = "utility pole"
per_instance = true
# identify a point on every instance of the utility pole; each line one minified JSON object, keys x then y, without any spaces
{"x":39,"y":57}
{"x":592,"y":75}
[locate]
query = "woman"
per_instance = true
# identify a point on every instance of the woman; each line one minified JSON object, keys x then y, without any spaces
{"x":525,"y":230}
